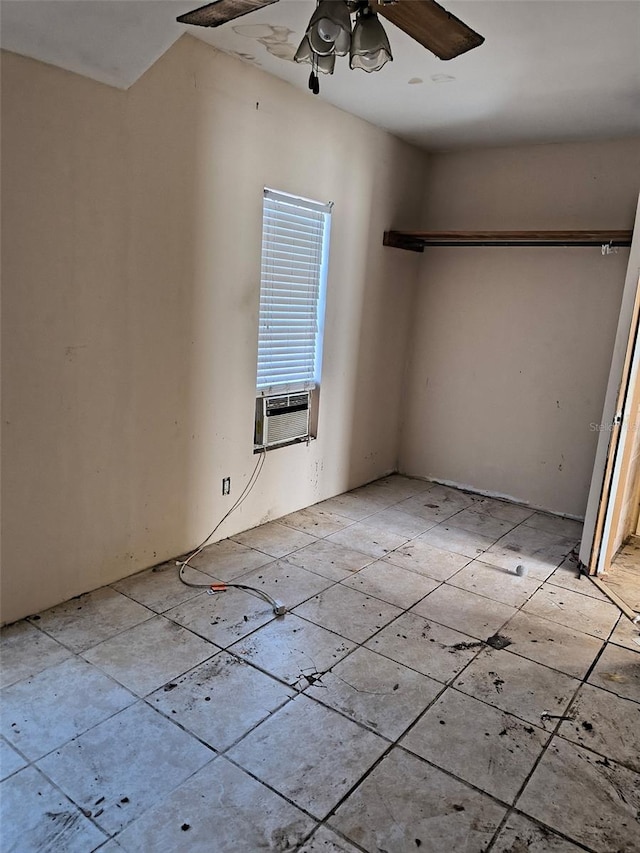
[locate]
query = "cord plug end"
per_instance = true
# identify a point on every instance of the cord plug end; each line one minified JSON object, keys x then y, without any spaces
{"x":279,"y":608}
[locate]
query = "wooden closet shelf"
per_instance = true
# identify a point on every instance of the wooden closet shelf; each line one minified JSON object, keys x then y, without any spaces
{"x":415,"y":241}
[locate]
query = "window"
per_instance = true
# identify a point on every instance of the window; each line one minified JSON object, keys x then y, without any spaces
{"x":295,"y":249}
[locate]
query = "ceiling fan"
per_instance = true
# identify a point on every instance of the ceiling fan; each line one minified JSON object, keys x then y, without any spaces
{"x":330,"y":32}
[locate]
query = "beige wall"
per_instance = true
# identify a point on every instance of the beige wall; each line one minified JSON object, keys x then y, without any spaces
{"x":131,"y":250}
{"x":511,"y":347}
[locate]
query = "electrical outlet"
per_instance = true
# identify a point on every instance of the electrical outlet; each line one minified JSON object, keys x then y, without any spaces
{"x":226,"y":485}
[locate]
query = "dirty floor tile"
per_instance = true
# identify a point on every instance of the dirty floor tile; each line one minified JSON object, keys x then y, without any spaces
{"x":518,"y":686}
{"x":427,"y":647}
{"x":329,"y":560}
{"x":287,"y":582}
{"x":135,"y":757}
{"x":293,"y":650}
{"x":556,"y":524}
{"x":405,"y":805}
{"x":398,"y":487}
{"x":606,"y":724}
{"x":464,"y":611}
{"x":496,"y":583}
{"x":220,"y":700}
{"x":43,"y":712}
{"x":475,"y":521}
{"x":275,"y":539}
{"x":315,"y":521}
{"x":309,"y":753}
{"x":348,"y":612}
{"x":590,"y":799}
{"x":566,"y":576}
{"x":26,"y":651}
{"x":450,"y":538}
{"x":418,"y":556}
{"x":430,"y":510}
{"x":88,"y":619}
{"x":626,"y":634}
{"x":220,"y":808}
{"x":625,"y":583}
{"x":227,"y":560}
{"x":148,"y":655}
{"x":440,"y":502}
{"x":538,"y":551}
{"x":521,"y":835}
{"x":573,"y":610}
{"x":552,"y":644}
{"x":354,"y":506}
{"x":413,"y":626}
{"x":36,"y":816}
{"x":10,"y":760}
{"x":484,"y":746}
{"x":400,"y":523}
{"x":367,"y":537}
{"x":376,"y":692}
{"x":502,"y":509}
{"x":618,"y":670}
{"x":160,"y":588}
{"x":324,"y":840}
{"x":223,"y":618}
{"x":391,"y":583}
{"x":382,"y":496}
{"x":111,"y":846}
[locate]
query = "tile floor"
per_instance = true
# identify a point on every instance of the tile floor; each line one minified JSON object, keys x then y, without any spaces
{"x":624,"y":575}
{"x":418,"y":695}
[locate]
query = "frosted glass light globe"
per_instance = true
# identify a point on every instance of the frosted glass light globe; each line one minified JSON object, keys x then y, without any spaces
{"x":328,"y":30}
{"x":369,"y":60}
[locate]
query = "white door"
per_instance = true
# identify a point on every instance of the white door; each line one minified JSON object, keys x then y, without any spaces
{"x":624,"y":366}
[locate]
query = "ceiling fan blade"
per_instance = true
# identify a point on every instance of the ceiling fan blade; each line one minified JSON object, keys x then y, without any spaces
{"x":221,"y":11}
{"x":431,"y":25}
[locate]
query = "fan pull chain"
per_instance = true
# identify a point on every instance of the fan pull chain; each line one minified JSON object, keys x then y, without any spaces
{"x":314,"y":83}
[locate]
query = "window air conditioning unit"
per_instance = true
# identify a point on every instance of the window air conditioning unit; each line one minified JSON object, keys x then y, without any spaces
{"x":281,"y":419}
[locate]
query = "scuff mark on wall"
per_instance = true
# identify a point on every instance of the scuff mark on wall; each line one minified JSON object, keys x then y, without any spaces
{"x":274,"y":39}
{"x":72,"y":351}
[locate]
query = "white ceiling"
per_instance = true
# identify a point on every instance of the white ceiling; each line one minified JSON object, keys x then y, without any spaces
{"x":549,"y":70}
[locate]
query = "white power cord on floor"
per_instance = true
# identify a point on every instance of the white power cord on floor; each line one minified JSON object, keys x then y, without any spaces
{"x":278,"y":607}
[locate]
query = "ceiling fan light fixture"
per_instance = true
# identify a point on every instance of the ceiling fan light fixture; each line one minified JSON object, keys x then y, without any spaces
{"x":370,"y":61}
{"x":330,"y":26}
{"x":323,"y":64}
{"x":318,"y":45}
{"x":326,"y":64}
{"x":304,"y":52}
{"x":343,"y":43}
{"x":328,"y":30}
{"x":370,"y":49}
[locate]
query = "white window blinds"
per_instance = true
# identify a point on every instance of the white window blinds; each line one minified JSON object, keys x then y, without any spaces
{"x":295,"y":238}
